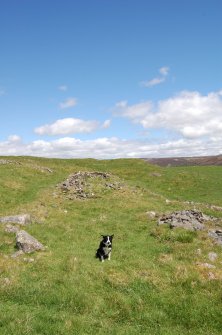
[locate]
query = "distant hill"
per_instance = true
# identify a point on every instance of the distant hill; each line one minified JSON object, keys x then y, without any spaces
{"x":186,"y":161}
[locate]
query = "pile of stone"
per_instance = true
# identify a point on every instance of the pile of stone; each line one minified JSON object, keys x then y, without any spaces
{"x":187,"y":219}
{"x":78,"y":184}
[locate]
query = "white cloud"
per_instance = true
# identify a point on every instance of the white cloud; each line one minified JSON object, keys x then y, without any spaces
{"x":164,"y":71}
{"x":14,"y":138}
{"x":63,"y":88}
{"x":67,"y":126}
{"x":194,"y":122}
{"x":189,"y":113}
{"x":106,"y":124}
{"x":68,"y":103}
{"x":135,"y":112}
{"x":107,"y":148}
{"x":153,"y":82}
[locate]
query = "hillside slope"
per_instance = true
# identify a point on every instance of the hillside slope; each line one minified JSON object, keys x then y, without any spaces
{"x":187,"y":161}
{"x":157,"y":281}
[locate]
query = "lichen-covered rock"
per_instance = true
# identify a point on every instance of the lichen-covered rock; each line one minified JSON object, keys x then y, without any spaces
{"x":27,"y":243}
{"x":23,"y":219}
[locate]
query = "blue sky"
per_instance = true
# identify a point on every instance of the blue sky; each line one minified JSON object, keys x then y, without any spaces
{"x":110,"y":78}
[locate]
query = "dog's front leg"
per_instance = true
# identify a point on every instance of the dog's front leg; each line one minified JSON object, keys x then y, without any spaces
{"x":102,"y":259}
{"x":109,"y":256}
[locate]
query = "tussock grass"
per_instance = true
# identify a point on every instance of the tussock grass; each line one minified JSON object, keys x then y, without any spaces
{"x":154,"y":283}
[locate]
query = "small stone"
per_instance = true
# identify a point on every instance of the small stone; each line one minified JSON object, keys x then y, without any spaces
{"x":211,"y":276}
{"x":206,"y":265}
{"x":151,"y":214}
{"x":11,"y":229}
{"x":199,"y":251}
{"x":28,"y":260}
{"x":155,"y":174}
{"x":7,"y":281}
{"x":17,"y":254}
{"x":212,"y":256}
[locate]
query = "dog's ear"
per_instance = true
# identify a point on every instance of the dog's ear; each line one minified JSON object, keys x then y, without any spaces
{"x":112,"y":235}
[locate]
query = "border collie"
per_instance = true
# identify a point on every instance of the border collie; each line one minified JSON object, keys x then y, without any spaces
{"x":105,"y":248}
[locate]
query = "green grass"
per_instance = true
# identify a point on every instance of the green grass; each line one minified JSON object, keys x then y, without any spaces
{"x":152,"y":285}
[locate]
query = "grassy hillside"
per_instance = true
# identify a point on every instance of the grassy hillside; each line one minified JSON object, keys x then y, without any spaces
{"x":152,"y":285}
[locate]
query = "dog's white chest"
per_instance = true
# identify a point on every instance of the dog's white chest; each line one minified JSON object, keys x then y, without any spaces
{"x":106,"y":250}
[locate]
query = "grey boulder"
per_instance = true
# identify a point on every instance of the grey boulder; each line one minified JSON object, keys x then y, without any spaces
{"x":27,"y":243}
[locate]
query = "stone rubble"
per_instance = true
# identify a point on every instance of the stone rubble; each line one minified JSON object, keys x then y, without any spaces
{"x":192,"y":220}
{"x":76,"y":184}
{"x":206,"y":265}
{"x":187,"y":219}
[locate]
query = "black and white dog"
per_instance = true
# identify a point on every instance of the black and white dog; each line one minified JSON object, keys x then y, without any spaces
{"x":105,"y":248}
